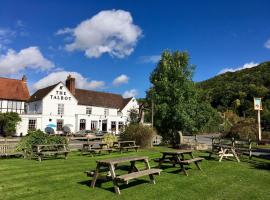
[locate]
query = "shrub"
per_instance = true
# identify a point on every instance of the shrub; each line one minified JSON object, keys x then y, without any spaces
{"x":38,"y":137}
{"x":109,"y":139}
{"x":8,"y":122}
{"x":244,"y":129}
{"x":143,"y":135}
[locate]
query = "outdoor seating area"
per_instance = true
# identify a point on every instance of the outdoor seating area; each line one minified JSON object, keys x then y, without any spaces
{"x":130,"y":174}
{"x":42,"y":151}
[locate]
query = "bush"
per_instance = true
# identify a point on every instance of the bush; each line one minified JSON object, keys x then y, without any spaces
{"x":143,"y":135}
{"x":109,"y":139}
{"x":244,"y":129}
{"x":38,"y":137}
{"x":8,"y":122}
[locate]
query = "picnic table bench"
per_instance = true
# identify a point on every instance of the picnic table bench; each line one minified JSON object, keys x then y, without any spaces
{"x":95,"y":147}
{"x":9,"y":150}
{"x":50,"y":150}
{"x":177,"y":157}
{"x":126,"y":145}
{"x":110,"y":165}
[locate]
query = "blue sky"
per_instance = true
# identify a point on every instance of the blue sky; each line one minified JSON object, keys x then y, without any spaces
{"x":114,"y":45}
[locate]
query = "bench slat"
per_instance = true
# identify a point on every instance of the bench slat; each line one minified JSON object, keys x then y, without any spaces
{"x":187,"y":162}
{"x":127,"y":177}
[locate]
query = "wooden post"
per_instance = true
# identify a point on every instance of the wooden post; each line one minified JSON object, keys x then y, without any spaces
{"x":259,"y":126}
{"x":152,"y":113}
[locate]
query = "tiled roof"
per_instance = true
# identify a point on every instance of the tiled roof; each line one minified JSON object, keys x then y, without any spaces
{"x":41,"y":93}
{"x":100,"y":99}
{"x":13,"y":89}
{"x":88,"y":98}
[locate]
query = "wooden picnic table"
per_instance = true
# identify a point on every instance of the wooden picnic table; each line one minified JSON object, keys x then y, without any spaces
{"x":178,"y":157}
{"x":225,"y":151}
{"x":111,"y":164}
{"x":126,"y":145}
{"x":95,"y":147}
{"x":42,"y":150}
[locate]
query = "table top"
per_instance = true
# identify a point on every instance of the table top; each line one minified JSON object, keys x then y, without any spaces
{"x":122,"y":159}
{"x":48,"y":145}
{"x":94,"y":142}
{"x":127,"y":141}
{"x":177,"y":152}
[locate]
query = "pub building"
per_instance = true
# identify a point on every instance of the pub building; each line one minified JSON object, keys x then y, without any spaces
{"x":62,"y":105}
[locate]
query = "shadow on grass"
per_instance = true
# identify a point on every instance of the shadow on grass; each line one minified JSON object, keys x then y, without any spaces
{"x":261,"y":165}
{"x":111,"y":189}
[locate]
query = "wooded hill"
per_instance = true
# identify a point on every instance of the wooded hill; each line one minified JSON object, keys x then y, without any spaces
{"x":236,"y":90}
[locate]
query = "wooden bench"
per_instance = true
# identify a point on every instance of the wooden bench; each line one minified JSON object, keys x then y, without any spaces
{"x":126,"y":145}
{"x":109,"y":166}
{"x":50,"y":150}
{"x":177,"y":157}
{"x":7,"y":150}
{"x":95,"y":148}
{"x":127,"y":177}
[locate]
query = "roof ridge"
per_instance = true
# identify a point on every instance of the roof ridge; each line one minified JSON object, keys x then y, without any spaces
{"x":99,"y":92}
{"x":14,"y":79}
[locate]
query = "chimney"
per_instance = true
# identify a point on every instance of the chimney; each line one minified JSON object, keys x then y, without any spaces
{"x":70,"y":83}
{"x":24,"y":79}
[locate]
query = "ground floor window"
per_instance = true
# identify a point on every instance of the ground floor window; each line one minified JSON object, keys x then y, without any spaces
{"x":59,"y":124}
{"x":32,"y":124}
{"x":113,"y":126}
{"x":82,"y":124}
{"x":94,"y":125}
{"x":120,"y":126}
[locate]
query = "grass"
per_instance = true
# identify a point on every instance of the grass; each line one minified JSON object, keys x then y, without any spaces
{"x":64,"y":179}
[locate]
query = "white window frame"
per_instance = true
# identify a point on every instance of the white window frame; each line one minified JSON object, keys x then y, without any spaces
{"x":60,"y":109}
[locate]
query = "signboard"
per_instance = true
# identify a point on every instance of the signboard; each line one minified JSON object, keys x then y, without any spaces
{"x":257,"y":103}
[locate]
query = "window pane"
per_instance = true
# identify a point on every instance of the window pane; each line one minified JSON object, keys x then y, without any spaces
{"x":32,"y":124}
{"x":59,"y":125}
{"x":88,"y":110}
{"x":82,"y":124}
{"x":60,"y":110}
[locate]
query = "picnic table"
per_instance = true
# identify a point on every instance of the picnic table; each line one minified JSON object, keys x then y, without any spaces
{"x":110,"y":165}
{"x":9,"y":149}
{"x":43,"y":150}
{"x":178,"y":157}
{"x":225,"y":151}
{"x":95,"y":147}
{"x":126,"y":145}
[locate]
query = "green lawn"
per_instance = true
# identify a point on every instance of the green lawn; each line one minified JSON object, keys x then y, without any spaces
{"x":64,"y":179}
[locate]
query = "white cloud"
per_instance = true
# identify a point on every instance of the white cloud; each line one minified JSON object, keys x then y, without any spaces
{"x":130,"y":93}
{"x":64,"y":31}
{"x":267,"y":44}
{"x":6,"y":36}
{"x":245,"y":66}
{"x":120,"y":80}
{"x":81,"y":82}
{"x":150,"y":59}
{"x":109,"y":31}
{"x":31,"y":57}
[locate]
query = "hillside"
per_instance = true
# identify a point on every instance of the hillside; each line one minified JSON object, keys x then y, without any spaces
{"x":235,"y":90}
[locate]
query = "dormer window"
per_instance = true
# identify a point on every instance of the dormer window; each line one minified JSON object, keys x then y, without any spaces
{"x":88,"y":110}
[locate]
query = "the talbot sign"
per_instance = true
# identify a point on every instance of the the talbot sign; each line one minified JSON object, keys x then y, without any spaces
{"x":60,"y":95}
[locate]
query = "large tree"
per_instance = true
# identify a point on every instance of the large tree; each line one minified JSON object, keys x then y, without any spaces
{"x":176,"y":101}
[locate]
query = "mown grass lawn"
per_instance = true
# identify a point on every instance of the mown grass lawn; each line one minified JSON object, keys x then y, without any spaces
{"x":58,"y":179}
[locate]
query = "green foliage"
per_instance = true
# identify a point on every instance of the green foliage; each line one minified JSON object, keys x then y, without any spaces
{"x":178,"y":103}
{"x":236,"y":90}
{"x":8,"y":122}
{"x":143,"y":135}
{"x":244,"y":129}
{"x":133,"y":115}
{"x":38,"y":137}
{"x":109,"y":139}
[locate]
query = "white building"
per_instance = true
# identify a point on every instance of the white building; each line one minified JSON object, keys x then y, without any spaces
{"x":62,"y":104}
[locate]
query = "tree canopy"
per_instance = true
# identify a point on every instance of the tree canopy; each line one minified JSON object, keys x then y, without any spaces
{"x":177,"y":105}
